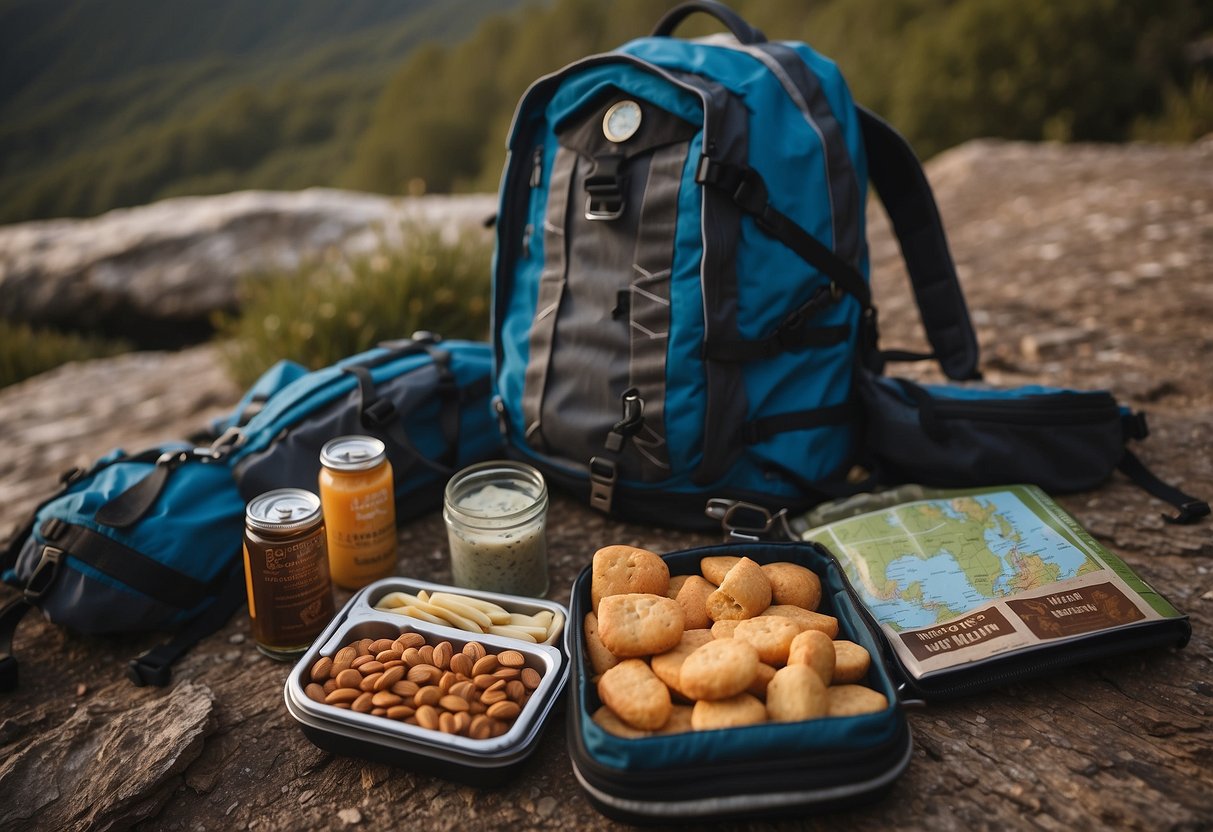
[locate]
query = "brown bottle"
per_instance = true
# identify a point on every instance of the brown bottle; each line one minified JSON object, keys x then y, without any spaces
{"x":286,"y":571}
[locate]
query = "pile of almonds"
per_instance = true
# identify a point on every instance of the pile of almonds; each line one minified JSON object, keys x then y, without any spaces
{"x":472,"y":693}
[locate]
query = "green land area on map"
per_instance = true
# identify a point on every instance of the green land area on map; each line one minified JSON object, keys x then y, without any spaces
{"x":925,"y":562}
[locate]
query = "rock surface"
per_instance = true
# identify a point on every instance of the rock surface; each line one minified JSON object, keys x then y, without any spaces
{"x":154,"y":268}
{"x":1087,"y":266}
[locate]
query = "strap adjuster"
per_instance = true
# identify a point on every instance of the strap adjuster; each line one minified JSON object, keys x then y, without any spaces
{"x":379,"y":413}
{"x":1189,"y":512}
{"x":603,"y":473}
{"x":44,"y":573}
{"x":148,"y":670}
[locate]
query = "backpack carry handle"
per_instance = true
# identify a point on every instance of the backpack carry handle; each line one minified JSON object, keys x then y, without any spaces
{"x":733,"y":22}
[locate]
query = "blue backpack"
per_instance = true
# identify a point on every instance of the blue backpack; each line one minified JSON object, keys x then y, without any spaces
{"x":151,"y":540}
{"x":681,"y":311}
{"x":680,"y":296}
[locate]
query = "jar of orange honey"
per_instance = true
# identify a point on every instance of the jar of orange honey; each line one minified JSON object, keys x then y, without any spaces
{"x":359,"y":510}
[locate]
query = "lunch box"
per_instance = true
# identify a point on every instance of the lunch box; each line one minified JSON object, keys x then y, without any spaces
{"x":766,"y":769}
{"x":478,"y":762}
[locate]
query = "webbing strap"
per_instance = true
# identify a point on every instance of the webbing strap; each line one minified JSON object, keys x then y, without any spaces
{"x":10,"y":616}
{"x":760,"y":430}
{"x":122,"y":563}
{"x":551,"y":289}
{"x":906,"y":195}
{"x":153,"y":667}
{"x":748,"y":190}
{"x":1190,"y":508}
{"x":380,"y":416}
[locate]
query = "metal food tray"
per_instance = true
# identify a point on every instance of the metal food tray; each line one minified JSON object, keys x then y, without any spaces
{"x":481,"y":762}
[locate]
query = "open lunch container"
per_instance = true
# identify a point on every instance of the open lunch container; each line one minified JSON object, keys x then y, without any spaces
{"x":770,"y":768}
{"x":479,"y":762}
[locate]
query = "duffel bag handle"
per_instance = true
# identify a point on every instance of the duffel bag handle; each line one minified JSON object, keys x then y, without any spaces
{"x":733,"y":21}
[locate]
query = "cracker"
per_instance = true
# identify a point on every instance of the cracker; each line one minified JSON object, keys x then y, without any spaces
{"x":793,"y":584}
{"x":668,"y":665}
{"x":639,"y":625}
{"x":719,"y":669}
{"x":770,"y":635}
{"x":717,"y":566}
{"x":734,"y":712}
{"x":807,"y":619}
{"x":852,"y":662}
{"x":744,"y":593}
{"x":814,"y":649}
{"x":610,"y":722}
{"x":635,"y":695}
{"x":679,"y":721}
{"x":693,"y":598}
{"x":758,"y":687}
{"x":676,"y":583}
{"x":724,"y":629}
{"x":796,"y":693}
{"x":601,"y":659}
{"x":621,"y":570}
{"x":852,"y":700}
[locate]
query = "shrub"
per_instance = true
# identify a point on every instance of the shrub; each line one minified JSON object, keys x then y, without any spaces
{"x":337,"y":305}
{"x":26,"y":351}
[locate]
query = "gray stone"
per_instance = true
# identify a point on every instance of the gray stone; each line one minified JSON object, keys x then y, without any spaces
{"x":181,"y":259}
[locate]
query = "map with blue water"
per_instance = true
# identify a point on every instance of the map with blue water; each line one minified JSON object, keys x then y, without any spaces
{"x":922,"y":563}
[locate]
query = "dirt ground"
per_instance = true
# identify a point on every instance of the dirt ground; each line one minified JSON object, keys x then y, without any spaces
{"x":1083,"y":265}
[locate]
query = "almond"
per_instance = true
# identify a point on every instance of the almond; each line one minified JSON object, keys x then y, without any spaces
{"x":379,"y":645}
{"x":361,"y":660}
{"x":442,"y":655}
{"x":453,"y":703}
{"x":427,"y":717}
{"x":515,"y":690}
{"x":446,"y":723}
{"x":368,"y":684}
{"x":344,"y":659}
{"x":385,"y":699}
{"x":424,"y":674}
{"x":390,"y":677}
{"x":400,"y":711}
{"x":485,"y":664}
{"x":511,"y":658}
{"x":349,"y":679}
{"x":474,"y":650}
{"x":530,"y":677}
{"x":405,"y":688}
{"x":503,"y":710}
{"x":370,"y":667}
{"x":321,"y":669}
{"x":460,"y":664}
{"x":406,"y":640}
{"x":314,"y":692}
{"x":363,"y":704}
{"x":481,"y":728}
{"x":385,"y":656}
{"x":428,"y":695}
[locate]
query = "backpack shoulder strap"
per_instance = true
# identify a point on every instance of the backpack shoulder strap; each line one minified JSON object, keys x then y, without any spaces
{"x":899,"y":179}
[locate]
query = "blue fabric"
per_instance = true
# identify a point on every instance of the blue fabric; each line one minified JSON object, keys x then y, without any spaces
{"x":736,"y":745}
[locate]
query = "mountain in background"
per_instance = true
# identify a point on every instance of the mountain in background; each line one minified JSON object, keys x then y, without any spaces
{"x":105,"y":103}
{"x":109,"y":103}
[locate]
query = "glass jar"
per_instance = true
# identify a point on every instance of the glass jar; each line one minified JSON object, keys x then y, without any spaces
{"x":359,"y":510}
{"x":286,"y":571}
{"x":495,"y":514}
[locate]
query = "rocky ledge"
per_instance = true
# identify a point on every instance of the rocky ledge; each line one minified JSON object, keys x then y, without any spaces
{"x":1083,"y":265}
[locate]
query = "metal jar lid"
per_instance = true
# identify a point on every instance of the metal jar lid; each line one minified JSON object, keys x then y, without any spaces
{"x":352,"y":453}
{"x":283,"y":510}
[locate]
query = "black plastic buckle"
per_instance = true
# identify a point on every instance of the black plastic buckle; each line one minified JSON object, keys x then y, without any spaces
{"x":1189,"y":512}
{"x":44,"y":574}
{"x":751,"y":197}
{"x":148,"y":670}
{"x":603,"y":473}
{"x":604,"y":188}
{"x":378,"y":414}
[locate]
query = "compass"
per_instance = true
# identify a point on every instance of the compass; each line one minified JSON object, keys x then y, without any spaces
{"x":621,"y":121}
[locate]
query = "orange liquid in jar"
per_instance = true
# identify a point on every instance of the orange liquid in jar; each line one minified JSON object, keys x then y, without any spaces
{"x":359,"y":510}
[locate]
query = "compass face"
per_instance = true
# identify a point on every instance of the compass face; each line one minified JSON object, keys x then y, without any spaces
{"x":621,"y":121}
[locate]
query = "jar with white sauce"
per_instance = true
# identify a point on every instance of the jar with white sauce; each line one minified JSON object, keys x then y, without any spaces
{"x":495,"y":514}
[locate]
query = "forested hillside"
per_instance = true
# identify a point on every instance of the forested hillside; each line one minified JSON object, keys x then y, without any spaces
{"x":106,"y":103}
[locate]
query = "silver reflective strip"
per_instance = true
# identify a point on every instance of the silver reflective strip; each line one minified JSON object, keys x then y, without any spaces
{"x":551,"y":288}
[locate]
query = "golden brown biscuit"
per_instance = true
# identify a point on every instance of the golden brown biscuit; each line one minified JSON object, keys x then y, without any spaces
{"x":639,"y":625}
{"x":744,"y":593}
{"x":796,"y":693}
{"x":724,"y":629}
{"x":668,"y":665}
{"x":635,"y":695}
{"x":679,"y":721}
{"x":676,"y":583}
{"x":807,"y":619}
{"x":758,"y":687}
{"x":621,"y":570}
{"x":852,"y":700}
{"x":852,"y":662}
{"x":716,"y":567}
{"x":814,"y":649}
{"x":770,"y":635}
{"x":719,"y":669}
{"x":793,"y":584}
{"x":693,"y":598}
{"x":601,"y":658}
{"x":608,"y":721}
{"x":733,"y":712}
